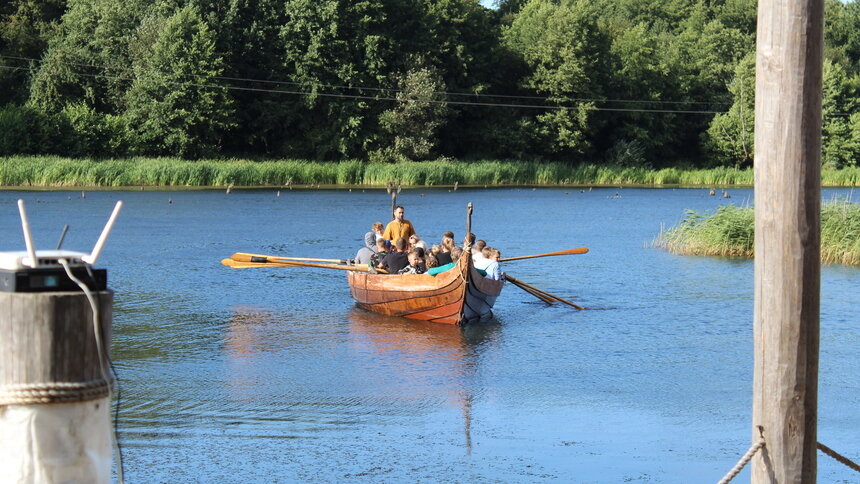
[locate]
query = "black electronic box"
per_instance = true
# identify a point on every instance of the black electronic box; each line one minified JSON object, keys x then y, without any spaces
{"x":51,"y":279}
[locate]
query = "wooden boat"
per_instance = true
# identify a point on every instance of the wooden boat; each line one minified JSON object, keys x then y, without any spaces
{"x":457,"y":296}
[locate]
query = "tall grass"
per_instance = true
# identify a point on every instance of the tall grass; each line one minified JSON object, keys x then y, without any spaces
{"x":730,"y":232}
{"x":52,"y":171}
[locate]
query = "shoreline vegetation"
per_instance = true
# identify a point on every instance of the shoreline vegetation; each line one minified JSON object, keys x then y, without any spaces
{"x":60,"y":172}
{"x":730,"y":232}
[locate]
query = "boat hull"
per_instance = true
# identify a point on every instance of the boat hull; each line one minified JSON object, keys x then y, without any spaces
{"x":457,"y":296}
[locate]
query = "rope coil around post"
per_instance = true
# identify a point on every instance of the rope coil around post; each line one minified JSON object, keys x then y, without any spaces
{"x":744,"y":460}
{"x":838,"y":457}
{"x":51,"y":392}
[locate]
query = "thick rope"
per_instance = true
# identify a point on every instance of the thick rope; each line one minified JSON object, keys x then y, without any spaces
{"x":743,"y":462}
{"x":49,"y":392}
{"x":838,"y":457}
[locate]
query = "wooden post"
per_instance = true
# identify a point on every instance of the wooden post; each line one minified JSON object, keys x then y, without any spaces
{"x":54,"y":388}
{"x":787,"y":238}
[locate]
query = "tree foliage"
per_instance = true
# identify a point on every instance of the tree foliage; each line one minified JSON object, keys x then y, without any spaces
{"x":413,"y":124}
{"x":173,"y":104}
{"x":624,"y":82}
{"x":730,"y":136}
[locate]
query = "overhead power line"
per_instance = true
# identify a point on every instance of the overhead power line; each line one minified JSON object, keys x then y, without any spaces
{"x":383,"y":98}
{"x":391,"y":99}
{"x":386,"y":98}
{"x":394,"y":90}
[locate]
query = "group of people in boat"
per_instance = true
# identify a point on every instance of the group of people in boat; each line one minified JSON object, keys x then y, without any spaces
{"x":398,"y":249}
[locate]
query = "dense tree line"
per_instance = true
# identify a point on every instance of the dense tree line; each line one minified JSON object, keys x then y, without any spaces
{"x":626,"y":82}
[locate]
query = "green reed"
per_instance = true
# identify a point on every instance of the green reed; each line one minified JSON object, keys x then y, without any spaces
{"x":53,"y":171}
{"x":730,"y":232}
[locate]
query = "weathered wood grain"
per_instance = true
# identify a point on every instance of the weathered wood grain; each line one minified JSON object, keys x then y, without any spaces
{"x":49,"y":338}
{"x":787,"y":238}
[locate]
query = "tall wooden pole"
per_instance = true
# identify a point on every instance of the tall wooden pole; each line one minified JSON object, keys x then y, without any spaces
{"x":787,"y":238}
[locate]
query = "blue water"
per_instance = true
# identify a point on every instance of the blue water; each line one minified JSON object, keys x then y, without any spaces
{"x":273,"y":375}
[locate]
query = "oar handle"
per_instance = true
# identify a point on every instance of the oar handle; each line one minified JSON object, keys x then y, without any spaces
{"x":245,"y":257}
{"x":522,"y":284}
{"x":533,"y":293}
{"x":235,"y":264}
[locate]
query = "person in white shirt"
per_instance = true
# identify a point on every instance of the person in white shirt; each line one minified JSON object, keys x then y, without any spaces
{"x":479,"y":258}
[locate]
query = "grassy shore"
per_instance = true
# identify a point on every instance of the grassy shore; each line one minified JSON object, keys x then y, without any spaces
{"x":730,"y":232}
{"x":52,"y":171}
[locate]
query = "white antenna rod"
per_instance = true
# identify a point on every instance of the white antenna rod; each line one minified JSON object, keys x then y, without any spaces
{"x":28,"y":239}
{"x":97,"y":250}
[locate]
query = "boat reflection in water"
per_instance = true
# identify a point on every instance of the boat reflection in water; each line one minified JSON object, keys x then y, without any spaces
{"x":281,"y":367}
{"x":426,"y":358}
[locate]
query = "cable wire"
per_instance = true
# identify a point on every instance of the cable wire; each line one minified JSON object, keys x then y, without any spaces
{"x":103,"y":356}
{"x":395,"y":99}
{"x":378,"y":89}
{"x":378,"y":98}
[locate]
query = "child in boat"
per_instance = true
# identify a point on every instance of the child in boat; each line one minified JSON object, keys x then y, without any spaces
{"x":456,"y":253}
{"x":416,"y":242}
{"x":416,"y":264}
{"x":430,"y":262}
{"x":381,"y":252}
{"x":480,"y":255}
{"x":493,"y":270}
{"x":444,"y":254}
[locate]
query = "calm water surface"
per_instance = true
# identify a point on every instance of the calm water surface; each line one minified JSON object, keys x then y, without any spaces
{"x":273,"y":375}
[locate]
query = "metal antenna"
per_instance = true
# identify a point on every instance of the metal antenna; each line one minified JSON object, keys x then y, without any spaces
{"x":28,"y":238}
{"x":62,"y":236}
{"x":97,"y":250}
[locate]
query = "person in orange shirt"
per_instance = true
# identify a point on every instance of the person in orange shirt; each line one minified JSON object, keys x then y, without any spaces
{"x":399,"y":227}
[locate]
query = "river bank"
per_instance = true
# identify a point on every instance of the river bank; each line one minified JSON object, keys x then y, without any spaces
{"x":52,"y":171}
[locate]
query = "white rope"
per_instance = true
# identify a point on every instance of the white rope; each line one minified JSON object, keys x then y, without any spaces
{"x":50,"y":392}
{"x":743,"y":462}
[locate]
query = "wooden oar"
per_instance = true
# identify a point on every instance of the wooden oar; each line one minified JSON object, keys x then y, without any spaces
{"x":522,"y":284}
{"x":579,"y":250}
{"x":245,"y":257}
{"x":253,"y":265}
{"x":533,"y":293}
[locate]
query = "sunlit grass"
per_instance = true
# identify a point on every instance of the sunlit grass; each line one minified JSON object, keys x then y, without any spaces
{"x":53,"y":171}
{"x":730,"y":232}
